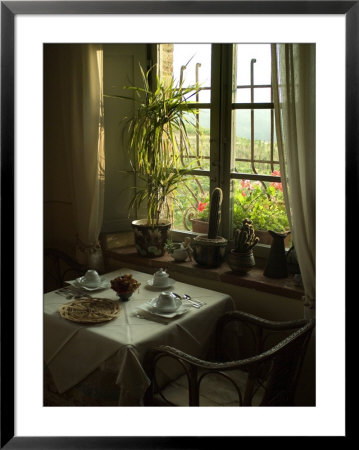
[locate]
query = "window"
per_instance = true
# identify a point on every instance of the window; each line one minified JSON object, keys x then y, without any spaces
{"x":192,"y":64}
{"x":233,"y":137}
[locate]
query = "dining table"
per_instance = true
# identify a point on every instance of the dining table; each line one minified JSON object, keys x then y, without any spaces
{"x":115,"y":350}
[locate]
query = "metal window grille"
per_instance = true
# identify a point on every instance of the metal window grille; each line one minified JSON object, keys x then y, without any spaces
{"x":252,"y":106}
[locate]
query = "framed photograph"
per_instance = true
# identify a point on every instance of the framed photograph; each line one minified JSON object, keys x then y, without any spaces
{"x":25,"y":28}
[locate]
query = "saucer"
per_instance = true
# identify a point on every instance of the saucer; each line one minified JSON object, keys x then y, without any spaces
{"x":80,"y":282}
{"x":170,"y":282}
{"x":164,"y":310}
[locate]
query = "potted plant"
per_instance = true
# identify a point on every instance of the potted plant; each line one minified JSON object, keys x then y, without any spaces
{"x":240,"y":258}
{"x":209,"y":250}
{"x":265,"y":207}
{"x":158,"y":141}
{"x":200,"y":220}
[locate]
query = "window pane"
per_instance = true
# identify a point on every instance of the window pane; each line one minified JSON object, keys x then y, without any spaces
{"x":263,"y":161}
{"x":191,"y":202}
{"x":197,"y":127}
{"x":197,"y":60}
{"x":261,"y":68}
{"x":243,"y":95}
{"x":261,"y":55}
{"x":262,"y":95}
{"x":263,"y":203}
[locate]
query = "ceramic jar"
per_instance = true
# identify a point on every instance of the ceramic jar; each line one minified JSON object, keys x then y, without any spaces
{"x":241,"y":263}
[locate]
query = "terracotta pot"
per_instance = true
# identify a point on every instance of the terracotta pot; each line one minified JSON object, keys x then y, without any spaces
{"x":241,"y":263}
{"x":150,"y":240}
{"x":199,"y":226}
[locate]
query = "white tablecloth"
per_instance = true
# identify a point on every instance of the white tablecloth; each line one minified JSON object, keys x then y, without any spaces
{"x":73,"y":351}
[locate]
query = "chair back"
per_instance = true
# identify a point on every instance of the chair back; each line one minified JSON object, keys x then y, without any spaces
{"x":263,"y":370}
{"x":58,"y":268}
{"x":278,"y":369}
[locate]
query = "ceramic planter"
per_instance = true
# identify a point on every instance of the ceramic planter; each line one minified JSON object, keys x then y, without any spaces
{"x":241,"y":263}
{"x":150,"y":240}
{"x":209,"y":252}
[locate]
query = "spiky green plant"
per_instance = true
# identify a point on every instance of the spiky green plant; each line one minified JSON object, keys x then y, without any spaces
{"x":215,"y":213}
{"x":159,"y":142}
{"x":245,"y":238}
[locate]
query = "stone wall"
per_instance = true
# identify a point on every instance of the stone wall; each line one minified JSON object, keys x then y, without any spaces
{"x":165,"y":60}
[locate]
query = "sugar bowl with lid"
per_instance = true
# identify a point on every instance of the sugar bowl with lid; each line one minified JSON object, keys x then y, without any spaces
{"x":160,"y":278}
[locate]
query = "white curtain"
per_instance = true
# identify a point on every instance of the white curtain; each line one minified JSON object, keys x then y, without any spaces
{"x":293,"y":71}
{"x":81,"y":109}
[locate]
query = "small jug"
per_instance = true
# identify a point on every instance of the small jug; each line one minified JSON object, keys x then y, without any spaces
{"x":276,"y":266}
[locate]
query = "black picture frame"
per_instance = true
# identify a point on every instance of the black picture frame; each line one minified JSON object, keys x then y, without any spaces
{"x":9,"y":9}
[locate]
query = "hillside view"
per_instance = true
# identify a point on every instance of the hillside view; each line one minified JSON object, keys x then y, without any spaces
{"x":243,"y":123}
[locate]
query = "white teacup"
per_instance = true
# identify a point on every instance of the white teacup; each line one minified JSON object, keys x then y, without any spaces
{"x":91,"y":278}
{"x":167,"y":302}
{"x":160,"y":278}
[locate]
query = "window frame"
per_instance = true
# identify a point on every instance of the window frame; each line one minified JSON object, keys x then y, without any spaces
{"x":221,"y":106}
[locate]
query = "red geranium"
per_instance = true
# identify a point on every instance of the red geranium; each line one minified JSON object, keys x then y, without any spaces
{"x":276,"y":173}
{"x":202,"y":206}
{"x":246,"y":184}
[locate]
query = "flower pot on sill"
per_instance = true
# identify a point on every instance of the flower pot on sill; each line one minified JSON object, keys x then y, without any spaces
{"x":199,"y":226}
{"x":209,"y":252}
{"x":150,"y":240}
{"x":241,"y":262}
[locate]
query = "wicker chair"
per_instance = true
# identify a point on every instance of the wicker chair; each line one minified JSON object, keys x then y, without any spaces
{"x":258,"y":368}
{"x":58,"y":268}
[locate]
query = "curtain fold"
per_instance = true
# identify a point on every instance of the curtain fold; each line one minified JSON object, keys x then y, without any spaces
{"x":81,"y":110}
{"x":293,"y":72}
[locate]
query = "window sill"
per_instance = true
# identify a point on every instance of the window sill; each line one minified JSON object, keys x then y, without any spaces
{"x":255,"y":279}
